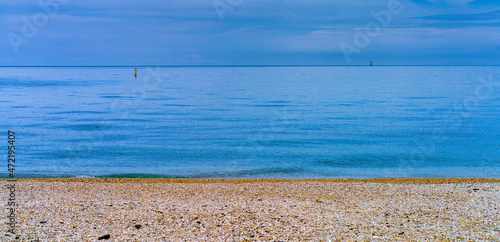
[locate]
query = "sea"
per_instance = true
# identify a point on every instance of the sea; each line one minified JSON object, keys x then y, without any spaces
{"x":252,"y":121}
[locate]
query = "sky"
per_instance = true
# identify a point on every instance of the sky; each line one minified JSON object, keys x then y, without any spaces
{"x":249,"y":32}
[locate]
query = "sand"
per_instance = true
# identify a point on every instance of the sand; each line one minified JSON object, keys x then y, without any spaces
{"x":256,"y":210}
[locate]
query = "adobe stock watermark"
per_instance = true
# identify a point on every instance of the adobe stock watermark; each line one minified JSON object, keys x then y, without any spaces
{"x":372,"y":29}
{"x":122,"y":109}
{"x":223,"y":6}
{"x":31,"y":26}
{"x":11,"y":186}
{"x":142,"y":89}
{"x":453,"y":120}
{"x":282,"y":121}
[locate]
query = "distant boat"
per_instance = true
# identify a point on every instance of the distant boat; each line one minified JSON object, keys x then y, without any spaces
{"x":371,"y":63}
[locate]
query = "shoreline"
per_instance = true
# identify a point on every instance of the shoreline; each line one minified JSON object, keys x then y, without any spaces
{"x":268,"y":180}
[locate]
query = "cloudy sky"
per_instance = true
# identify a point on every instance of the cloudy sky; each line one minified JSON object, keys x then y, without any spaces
{"x":249,"y":32}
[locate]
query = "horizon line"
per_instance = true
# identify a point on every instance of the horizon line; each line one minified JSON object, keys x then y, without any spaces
{"x":112,"y":66}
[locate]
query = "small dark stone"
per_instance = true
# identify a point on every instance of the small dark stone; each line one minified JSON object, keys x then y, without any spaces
{"x":259,"y":199}
{"x":475,"y":189}
{"x":198,"y":222}
{"x":104,"y":237}
{"x":43,"y":222}
{"x":138,"y":226}
{"x":401,"y":233}
{"x":17,"y":237}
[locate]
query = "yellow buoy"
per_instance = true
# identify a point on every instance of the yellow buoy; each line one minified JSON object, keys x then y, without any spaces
{"x":135,"y":72}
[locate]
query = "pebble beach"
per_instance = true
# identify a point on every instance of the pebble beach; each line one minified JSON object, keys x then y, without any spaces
{"x":90,"y":209}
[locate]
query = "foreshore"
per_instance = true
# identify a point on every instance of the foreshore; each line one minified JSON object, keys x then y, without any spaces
{"x":85,"y":209}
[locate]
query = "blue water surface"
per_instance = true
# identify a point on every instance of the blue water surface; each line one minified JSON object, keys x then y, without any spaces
{"x":253,"y":122}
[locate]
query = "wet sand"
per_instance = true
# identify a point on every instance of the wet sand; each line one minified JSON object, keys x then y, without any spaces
{"x":256,"y":209}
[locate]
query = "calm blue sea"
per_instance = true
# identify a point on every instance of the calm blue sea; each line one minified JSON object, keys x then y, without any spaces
{"x":253,"y":122}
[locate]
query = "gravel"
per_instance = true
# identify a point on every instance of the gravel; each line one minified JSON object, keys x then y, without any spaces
{"x":256,"y":210}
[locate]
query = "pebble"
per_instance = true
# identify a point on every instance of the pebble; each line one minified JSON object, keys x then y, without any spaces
{"x":262,"y":210}
{"x":104,"y":237}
